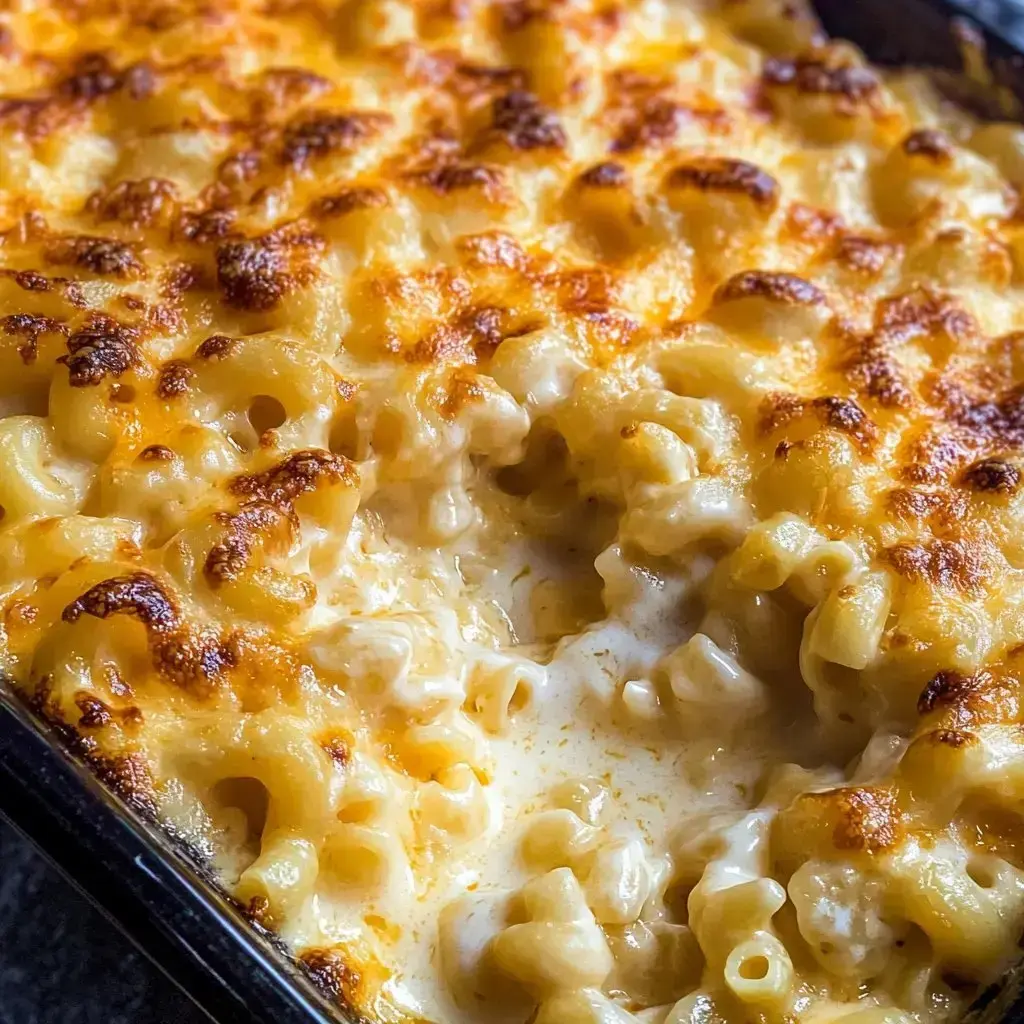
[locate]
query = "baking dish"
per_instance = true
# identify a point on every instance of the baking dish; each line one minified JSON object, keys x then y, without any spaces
{"x":151,"y":886}
{"x":145,"y":883}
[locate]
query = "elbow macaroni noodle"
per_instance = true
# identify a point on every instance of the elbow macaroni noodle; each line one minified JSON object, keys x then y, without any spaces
{"x":529,"y":492}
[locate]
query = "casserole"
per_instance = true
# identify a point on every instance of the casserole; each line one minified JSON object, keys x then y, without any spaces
{"x":420,"y":417}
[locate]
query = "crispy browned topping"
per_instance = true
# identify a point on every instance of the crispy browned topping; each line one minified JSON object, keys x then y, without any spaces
{"x":174,"y":379}
{"x":655,"y":121}
{"x":185,"y":656}
{"x":459,"y":177}
{"x":135,"y":203}
{"x":94,"y":77}
{"x":258,"y":913}
{"x":811,"y":224}
{"x":347,"y":200}
{"x":298,"y":474}
{"x":30,"y":280}
{"x":194,"y":659}
{"x":239,"y":167}
{"x":842,"y":414}
{"x":215,"y":347}
{"x":475,"y":333}
{"x":717,"y":174}
{"x":968,"y":430}
{"x":30,"y":329}
{"x":865,"y":255}
{"x":95,"y":714}
{"x":646,"y":111}
{"x":102,"y":256}
{"x":156,"y":453}
{"x":873,"y":370}
{"x":947,"y":688}
{"x":810,"y":75}
{"x":786,"y":289}
{"x":102,"y":347}
{"x":930,"y":143}
{"x":255,"y":520}
{"x":280,"y":88}
{"x":916,"y":505}
{"x":1000,"y":421}
{"x":314,"y":134}
{"x":921,"y":312}
{"x":129,"y":776}
{"x":605,"y":175}
{"x":960,"y":564}
{"x":523,"y":123}
{"x":992,"y":475}
{"x":332,"y":974}
{"x":494,"y":249}
{"x":138,"y":594}
{"x":871,"y":364}
{"x":178,"y":278}
{"x":256,"y":274}
{"x":204,"y":226}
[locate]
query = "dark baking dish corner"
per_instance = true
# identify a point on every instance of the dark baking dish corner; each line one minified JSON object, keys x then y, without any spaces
{"x":145,"y":884}
{"x":974,"y":47}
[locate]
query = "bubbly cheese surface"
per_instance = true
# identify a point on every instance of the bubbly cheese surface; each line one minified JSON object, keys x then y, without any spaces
{"x":530,"y":491}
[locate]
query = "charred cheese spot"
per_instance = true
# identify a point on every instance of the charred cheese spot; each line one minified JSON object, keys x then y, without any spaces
{"x":103,"y":256}
{"x":519,"y":119}
{"x":338,"y":748}
{"x":174,"y":379}
{"x":28,"y":329}
{"x":205,"y":226}
{"x":929,"y":144}
{"x":217,"y":346}
{"x":946,"y":688}
{"x":459,"y":177}
{"x":346,"y":201}
{"x":842,"y":414}
{"x":717,"y":174}
{"x":131,"y":778}
{"x":188,"y":657}
{"x":139,"y":595}
{"x":852,"y":86}
{"x":993,"y":476}
{"x":315,"y":134}
{"x":961,"y":564}
{"x":333,"y":974}
{"x":865,"y":255}
{"x":280,"y":88}
{"x":103,"y":347}
{"x":94,"y":77}
{"x":138,"y":204}
{"x":298,"y":474}
{"x":257,"y":519}
{"x":256,"y":274}
{"x":605,"y":175}
{"x":156,"y":453}
{"x":921,"y":312}
{"x":784,"y":289}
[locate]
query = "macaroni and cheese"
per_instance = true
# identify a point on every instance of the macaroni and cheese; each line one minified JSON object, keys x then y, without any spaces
{"x":529,"y":491}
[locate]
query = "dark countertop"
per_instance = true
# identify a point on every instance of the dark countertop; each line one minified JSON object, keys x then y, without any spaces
{"x":62,"y":962}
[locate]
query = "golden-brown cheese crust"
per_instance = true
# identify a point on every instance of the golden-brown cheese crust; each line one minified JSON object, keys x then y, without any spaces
{"x":188,"y":187}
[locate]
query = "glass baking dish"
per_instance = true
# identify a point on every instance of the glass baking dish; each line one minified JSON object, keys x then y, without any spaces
{"x":152,"y":887}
